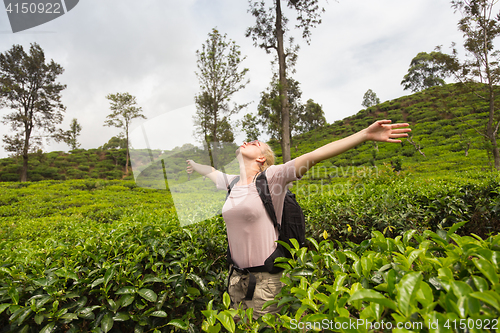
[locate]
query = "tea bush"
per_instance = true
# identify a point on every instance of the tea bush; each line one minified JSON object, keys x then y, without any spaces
{"x":379,"y":199}
{"x":433,"y":282}
{"x":97,"y":255}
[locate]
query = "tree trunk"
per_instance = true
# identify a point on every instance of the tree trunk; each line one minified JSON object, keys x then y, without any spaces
{"x":24,"y":170}
{"x":491,"y":132}
{"x":126,"y":163}
{"x":496,"y":154}
{"x":214,"y":135}
{"x":283,"y":88}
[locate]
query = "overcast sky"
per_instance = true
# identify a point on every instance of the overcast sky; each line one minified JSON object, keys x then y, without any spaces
{"x":147,"y":48}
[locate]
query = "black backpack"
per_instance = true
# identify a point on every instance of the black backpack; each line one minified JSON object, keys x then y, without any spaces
{"x":292,"y":224}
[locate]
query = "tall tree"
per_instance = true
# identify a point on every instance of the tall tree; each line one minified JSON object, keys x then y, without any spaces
{"x":269,"y":33}
{"x":28,"y":86}
{"x":270,"y":106}
{"x":370,"y":99}
{"x":249,"y":124}
{"x":116,"y":142}
{"x":220,"y":76}
{"x":124,"y":107}
{"x":480,"y":25}
{"x":312,"y":117}
{"x":426,"y":70}
{"x":71,"y":135}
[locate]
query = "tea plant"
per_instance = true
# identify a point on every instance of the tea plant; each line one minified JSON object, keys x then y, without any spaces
{"x":433,"y":282}
{"x":108,"y":256}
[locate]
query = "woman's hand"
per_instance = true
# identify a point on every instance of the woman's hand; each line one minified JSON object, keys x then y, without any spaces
{"x":189,"y":168}
{"x":204,"y":170}
{"x":384,"y":131}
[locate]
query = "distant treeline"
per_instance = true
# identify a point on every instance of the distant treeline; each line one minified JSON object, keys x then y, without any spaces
{"x":444,"y":123}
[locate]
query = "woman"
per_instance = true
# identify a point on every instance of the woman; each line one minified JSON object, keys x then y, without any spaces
{"x":250,"y":231}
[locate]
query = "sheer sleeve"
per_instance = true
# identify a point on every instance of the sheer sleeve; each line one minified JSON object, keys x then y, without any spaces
{"x":223,"y":180}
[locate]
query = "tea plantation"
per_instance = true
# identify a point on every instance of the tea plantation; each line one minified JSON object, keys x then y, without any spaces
{"x":398,"y":241}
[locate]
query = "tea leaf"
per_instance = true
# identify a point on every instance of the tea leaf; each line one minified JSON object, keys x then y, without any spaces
{"x":487,"y":297}
{"x":3,"y":307}
{"x":121,"y":316}
{"x":109,"y":275}
{"x":49,"y":328}
{"x":407,"y":289}
{"x":487,"y":269}
{"x":369,"y":295}
{"x":158,"y":313}
{"x":147,"y":294}
{"x":226,"y":300}
{"x":179,"y":324}
{"x":107,"y":323}
{"x":227,"y":321}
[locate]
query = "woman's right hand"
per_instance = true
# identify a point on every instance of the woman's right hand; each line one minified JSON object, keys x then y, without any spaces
{"x":189,"y":168}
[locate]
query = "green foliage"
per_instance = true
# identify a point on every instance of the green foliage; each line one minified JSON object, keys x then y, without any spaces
{"x":370,"y":99}
{"x":76,"y":165}
{"x":116,"y":142}
{"x":93,"y":255}
{"x":107,"y":255}
{"x":442,"y":121}
{"x":425,"y":282}
{"x":312,"y":117}
{"x":71,"y":135}
{"x":364,"y":199}
{"x":83,"y":255}
{"x":249,"y":124}
{"x":426,"y":70}
{"x":270,"y":108}
{"x":124,"y":108}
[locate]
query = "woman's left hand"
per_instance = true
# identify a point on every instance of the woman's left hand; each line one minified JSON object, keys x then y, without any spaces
{"x":384,"y":131}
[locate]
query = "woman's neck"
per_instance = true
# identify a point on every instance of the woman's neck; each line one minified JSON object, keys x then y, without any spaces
{"x":248,"y":171}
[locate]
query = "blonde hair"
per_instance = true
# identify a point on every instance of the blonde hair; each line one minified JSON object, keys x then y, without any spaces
{"x":270,"y":158}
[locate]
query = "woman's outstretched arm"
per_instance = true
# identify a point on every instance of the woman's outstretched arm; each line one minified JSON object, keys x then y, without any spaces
{"x":381,"y":130}
{"x":205,"y":170}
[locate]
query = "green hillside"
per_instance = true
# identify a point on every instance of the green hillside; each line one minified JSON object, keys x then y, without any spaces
{"x":57,"y":165}
{"x":443,"y":120}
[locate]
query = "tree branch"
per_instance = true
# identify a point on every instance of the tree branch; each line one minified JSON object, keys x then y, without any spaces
{"x":415,"y":145}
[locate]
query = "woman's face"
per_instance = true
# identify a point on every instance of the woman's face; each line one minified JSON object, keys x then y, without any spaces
{"x":251,"y":149}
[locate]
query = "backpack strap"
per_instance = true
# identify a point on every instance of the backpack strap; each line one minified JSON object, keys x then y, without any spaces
{"x":229,"y":188}
{"x":252,"y":280}
{"x":265,"y":196}
{"x":231,"y":185}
